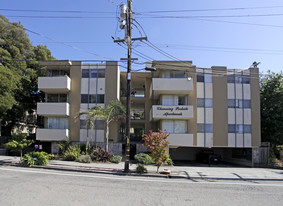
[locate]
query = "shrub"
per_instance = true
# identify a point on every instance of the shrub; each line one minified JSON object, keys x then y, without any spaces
{"x":143,"y":158}
{"x":84,"y":159}
{"x":141,"y":169}
{"x":35,"y":158}
{"x":167,"y":159}
{"x":72,"y":153}
{"x":116,"y":159}
{"x":51,"y":156}
{"x":63,"y":146}
{"x":101,"y":155}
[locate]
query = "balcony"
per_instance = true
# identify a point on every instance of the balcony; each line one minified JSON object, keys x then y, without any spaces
{"x":53,"y":109}
{"x":172,"y":85}
{"x":181,"y":140}
{"x":52,"y":134}
{"x":172,"y":112}
{"x":137,"y":115}
{"x":60,"y":84}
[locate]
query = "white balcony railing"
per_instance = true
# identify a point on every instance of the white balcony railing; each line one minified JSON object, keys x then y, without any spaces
{"x":172,"y":84}
{"x":53,"y":109}
{"x":61,"y":84}
{"x":181,"y":140}
{"x":52,"y":134}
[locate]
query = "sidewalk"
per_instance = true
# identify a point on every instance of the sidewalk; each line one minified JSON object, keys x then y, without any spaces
{"x":188,"y":172}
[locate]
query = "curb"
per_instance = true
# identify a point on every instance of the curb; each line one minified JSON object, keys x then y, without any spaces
{"x":72,"y":169}
{"x":121,"y":173}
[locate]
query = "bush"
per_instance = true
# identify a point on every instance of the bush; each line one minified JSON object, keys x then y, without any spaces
{"x":101,"y":155}
{"x":116,"y":159}
{"x":143,"y":158}
{"x":167,"y":159}
{"x":84,"y":159}
{"x":72,"y":153}
{"x":35,"y":158}
{"x":141,"y":169}
{"x":63,"y":146}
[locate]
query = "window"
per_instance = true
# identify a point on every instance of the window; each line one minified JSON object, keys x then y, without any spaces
{"x":101,"y":73}
{"x":93,"y":73}
{"x":57,"y":73}
{"x":247,"y":129}
{"x":239,"y":128}
{"x":99,"y":124}
{"x":238,"y":78}
{"x":236,"y":103}
{"x":56,"y":98}
{"x":173,"y":74}
{"x":92,"y":98}
{"x":175,"y":126}
{"x":201,"y":102}
{"x":57,"y":123}
{"x":207,"y":128}
{"x":207,"y":78}
{"x":85,"y":73}
{"x":182,"y":100}
{"x":200,"y":78}
{"x":174,"y":100}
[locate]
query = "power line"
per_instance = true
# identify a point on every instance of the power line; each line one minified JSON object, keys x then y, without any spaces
{"x":213,"y":16}
{"x":59,"y":42}
{"x":56,"y":11}
{"x":215,"y":9}
{"x":243,"y":23}
{"x":139,"y":12}
{"x":155,"y":16}
{"x":61,"y":17}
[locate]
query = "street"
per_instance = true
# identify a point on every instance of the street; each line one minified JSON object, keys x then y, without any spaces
{"x":29,"y":186}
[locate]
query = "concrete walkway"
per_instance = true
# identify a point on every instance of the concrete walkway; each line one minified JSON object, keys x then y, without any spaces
{"x":217,"y":172}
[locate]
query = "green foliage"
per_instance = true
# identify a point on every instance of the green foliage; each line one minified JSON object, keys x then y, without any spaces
{"x":157,"y":144}
{"x":271,"y":99}
{"x":144,"y":159}
{"x":84,"y":159}
{"x":112,"y":112}
{"x":63,"y":146}
{"x":116,"y":159}
{"x":18,"y":142}
{"x":35,"y":158}
{"x":141,"y":169}
{"x":101,"y":155}
{"x":72,"y":153}
{"x":167,"y":159}
{"x":19,"y":71}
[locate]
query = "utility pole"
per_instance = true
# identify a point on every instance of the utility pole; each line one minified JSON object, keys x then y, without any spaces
{"x":126,"y":20}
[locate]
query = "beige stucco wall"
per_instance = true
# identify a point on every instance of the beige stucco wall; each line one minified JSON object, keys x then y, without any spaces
{"x":220,"y":108}
{"x":112,"y":92}
{"x":75,"y":99}
{"x":255,"y":107}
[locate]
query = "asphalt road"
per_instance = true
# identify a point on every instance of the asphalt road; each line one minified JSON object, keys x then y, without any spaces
{"x":28,"y":186}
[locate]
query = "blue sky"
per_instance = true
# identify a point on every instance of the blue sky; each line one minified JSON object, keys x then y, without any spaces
{"x":202,"y":39}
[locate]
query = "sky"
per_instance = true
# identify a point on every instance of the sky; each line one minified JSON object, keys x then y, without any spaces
{"x":208,"y":32}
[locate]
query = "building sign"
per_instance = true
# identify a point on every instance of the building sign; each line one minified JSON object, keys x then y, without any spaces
{"x":170,"y":111}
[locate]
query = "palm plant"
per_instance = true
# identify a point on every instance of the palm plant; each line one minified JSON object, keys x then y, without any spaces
{"x":112,"y":112}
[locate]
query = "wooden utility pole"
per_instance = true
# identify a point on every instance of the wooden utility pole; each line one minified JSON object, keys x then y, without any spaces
{"x":126,"y":11}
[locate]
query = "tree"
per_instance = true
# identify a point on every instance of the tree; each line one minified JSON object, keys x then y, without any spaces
{"x":18,"y":142}
{"x":271,"y":97}
{"x":19,"y":71}
{"x":112,"y":112}
{"x":157,"y":144}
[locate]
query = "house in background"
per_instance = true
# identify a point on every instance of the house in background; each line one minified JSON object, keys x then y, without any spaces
{"x":215,"y":107}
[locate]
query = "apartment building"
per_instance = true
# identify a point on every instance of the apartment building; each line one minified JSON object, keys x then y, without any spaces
{"x":216,"y":108}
